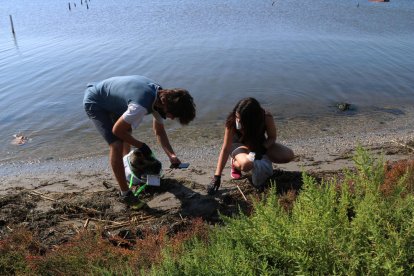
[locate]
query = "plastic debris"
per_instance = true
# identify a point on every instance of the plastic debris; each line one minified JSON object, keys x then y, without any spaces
{"x":19,"y":139}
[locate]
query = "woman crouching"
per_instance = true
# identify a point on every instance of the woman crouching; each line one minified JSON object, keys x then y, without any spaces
{"x":250,"y":141}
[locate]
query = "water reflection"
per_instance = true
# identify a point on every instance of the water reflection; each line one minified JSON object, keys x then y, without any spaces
{"x":296,"y":59}
{"x":16,"y":45}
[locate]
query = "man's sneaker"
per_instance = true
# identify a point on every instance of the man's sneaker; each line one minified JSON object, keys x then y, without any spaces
{"x":235,"y":173}
{"x":129,"y":198}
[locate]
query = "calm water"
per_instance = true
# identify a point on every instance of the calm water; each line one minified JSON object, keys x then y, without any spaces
{"x":297,"y":57}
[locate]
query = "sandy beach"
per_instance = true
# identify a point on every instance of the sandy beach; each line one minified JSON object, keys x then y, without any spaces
{"x":55,"y":199}
{"x":319,"y":143}
{"x":300,"y":60}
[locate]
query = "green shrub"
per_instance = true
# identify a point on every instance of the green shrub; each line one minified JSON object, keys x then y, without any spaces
{"x":363,"y":224}
{"x":347,"y":228}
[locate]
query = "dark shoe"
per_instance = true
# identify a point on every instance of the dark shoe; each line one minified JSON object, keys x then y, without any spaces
{"x":129,"y":198}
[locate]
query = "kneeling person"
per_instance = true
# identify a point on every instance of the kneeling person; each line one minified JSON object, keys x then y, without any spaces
{"x":250,"y":140}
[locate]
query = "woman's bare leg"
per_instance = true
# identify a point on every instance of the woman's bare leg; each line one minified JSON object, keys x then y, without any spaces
{"x":280,"y":154}
{"x":242,"y":160}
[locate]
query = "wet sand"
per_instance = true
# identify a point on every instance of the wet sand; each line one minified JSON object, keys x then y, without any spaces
{"x":325,"y":140}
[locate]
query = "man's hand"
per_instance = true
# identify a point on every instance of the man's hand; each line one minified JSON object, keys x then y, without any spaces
{"x":146,"y":151}
{"x":174,"y":161}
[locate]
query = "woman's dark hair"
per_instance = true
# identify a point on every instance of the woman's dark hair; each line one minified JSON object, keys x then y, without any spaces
{"x":252,"y":119}
{"x":180,"y":104}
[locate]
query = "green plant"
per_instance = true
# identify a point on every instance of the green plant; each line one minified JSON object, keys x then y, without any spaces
{"x":333,"y":228}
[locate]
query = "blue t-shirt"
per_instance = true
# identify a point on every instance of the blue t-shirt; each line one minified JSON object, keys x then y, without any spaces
{"x":114,"y":94}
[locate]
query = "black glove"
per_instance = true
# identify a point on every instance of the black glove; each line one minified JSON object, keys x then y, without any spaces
{"x":214,"y":185}
{"x":146,"y":151}
{"x":258,"y":156}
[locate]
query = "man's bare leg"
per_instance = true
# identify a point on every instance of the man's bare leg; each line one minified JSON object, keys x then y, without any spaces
{"x":115,"y":159}
{"x":126,"y":148}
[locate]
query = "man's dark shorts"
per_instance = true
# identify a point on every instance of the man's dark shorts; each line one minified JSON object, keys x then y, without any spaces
{"x":104,"y":122}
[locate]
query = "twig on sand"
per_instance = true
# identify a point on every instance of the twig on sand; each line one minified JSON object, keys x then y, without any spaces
{"x":142,"y":218}
{"x":85,"y":225}
{"x":403,"y":145}
{"x":42,"y":195}
{"x":117,"y":226}
{"x":49,"y":183}
{"x":241,"y":192}
{"x":106,"y":221}
{"x":90,"y":210}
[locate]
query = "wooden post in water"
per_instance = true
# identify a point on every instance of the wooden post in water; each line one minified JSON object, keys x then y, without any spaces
{"x":69,"y":6}
{"x":11,"y":23}
{"x":81,"y":2}
{"x":87,"y":7}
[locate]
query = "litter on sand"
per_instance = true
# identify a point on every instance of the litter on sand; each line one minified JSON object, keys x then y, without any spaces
{"x":19,"y":139}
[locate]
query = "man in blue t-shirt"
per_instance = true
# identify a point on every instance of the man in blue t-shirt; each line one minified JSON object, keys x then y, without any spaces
{"x":118,"y":104}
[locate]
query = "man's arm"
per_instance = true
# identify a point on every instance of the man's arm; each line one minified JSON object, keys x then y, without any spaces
{"x":162,"y":138}
{"x":121,"y":129}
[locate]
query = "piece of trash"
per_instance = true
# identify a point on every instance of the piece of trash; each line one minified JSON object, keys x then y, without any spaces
{"x":343,"y":106}
{"x":19,"y":139}
{"x":106,"y":184}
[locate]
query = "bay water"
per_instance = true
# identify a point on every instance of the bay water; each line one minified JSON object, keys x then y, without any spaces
{"x":298,"y":58}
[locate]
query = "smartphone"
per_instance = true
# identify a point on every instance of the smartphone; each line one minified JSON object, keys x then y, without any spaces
{"x":180,"y":166}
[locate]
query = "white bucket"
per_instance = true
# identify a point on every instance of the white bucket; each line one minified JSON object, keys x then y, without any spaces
{"x":151,"y":179}
{"x":128,"y":174}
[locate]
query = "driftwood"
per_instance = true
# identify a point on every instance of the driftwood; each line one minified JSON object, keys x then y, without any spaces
{"x":42,"y":195}
{"x":90,"y":210}
{"x":108,"y":227}
{"x":241,"y":192}
{"x":105,"y":221}
{"x":116,"y":224}
{"x":112,"y":224}
{"x":403,"y":145}
{"x":85,"y":225}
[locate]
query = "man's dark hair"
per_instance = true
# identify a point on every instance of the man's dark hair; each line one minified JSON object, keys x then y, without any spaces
{"x":180,"y":104}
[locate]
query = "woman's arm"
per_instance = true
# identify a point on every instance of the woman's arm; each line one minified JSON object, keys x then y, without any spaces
{"x":270,"y":130}
{"x":225,"y":151}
